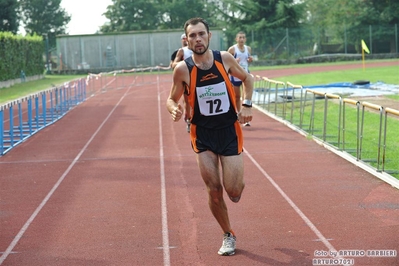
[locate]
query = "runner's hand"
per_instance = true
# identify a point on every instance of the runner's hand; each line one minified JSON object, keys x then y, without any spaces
{"x":245,"y":115}
{"x":177,"y":113}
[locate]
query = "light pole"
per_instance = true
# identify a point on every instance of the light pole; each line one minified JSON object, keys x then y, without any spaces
{"x":48,"y":71}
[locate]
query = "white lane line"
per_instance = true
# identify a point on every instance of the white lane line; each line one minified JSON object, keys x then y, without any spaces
{"x":294,"y":206}
{"x":164,"y":210}
{"x":46,"y":199}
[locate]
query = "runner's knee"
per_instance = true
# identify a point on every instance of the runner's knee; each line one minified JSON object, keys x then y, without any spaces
{"x":235,"y":192}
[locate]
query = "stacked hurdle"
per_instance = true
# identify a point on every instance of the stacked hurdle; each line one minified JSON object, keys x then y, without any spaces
{"x":24,"y":117}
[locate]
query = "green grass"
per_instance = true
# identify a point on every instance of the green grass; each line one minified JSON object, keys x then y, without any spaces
{"x":26,"y":88}
{"x":393,"y":97}
{"x":319,"y":64}
{"x":389,"y":75}
{"x":346,"y":138}
{"x":371,"y":138}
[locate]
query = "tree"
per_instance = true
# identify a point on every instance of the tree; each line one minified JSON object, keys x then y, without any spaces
{"x":43,"y":17}
{"x":350,"y":20}
{"x":267,"y":19}
{"x":129,"y":15}
{"x":387,"y":10}
{"x":260,"y":14}
{"x":9,"y":19}
{"x":175,"y":13}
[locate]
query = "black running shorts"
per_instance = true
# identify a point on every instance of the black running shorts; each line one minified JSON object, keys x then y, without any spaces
{"x":226,"y":141}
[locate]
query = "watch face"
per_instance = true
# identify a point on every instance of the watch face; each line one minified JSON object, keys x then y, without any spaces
{"x":247,"y":103}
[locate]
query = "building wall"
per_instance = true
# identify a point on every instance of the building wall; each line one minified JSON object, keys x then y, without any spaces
{"x":123,"y":50}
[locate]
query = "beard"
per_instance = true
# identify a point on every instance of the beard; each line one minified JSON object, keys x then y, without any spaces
{"x":201,"y":52}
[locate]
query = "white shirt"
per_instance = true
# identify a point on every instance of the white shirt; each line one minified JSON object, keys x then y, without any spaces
{"x":187,"y":52}
{"x":243,"y":56}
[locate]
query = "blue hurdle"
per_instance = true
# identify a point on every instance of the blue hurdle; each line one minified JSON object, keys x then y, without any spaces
{"x":21,"y":118}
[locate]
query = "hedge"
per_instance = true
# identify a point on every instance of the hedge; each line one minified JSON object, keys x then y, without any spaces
{"x":18,"y":53}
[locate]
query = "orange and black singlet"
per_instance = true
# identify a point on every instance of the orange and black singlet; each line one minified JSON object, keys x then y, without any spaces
{"x":214,"y":124}
{"x":211,"y":95}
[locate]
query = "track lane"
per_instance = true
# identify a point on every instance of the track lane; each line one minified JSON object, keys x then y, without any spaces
{"x":106,"y":165}
{"x":116,"y":185}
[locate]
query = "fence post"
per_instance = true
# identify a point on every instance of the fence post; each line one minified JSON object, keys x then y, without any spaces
{"x":381,"y":110}
{"x":311,"y":123}
{"x":357,"y":103}
{"x":391,"y":111}
{"x":333,"y":96}
{"x":371,"y":39}
{"x":293,"y":97}
{"x":346,"y":43}
{"x":396,"y":38}
{"x":288,"y":42}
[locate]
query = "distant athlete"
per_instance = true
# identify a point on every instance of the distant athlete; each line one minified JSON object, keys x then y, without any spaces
{"x":181,"y":54}
{"x":183,"y":40}
{"x":242,"y":53}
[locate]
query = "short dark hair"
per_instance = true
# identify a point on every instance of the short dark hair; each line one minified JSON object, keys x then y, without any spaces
{"x":195,"y":21}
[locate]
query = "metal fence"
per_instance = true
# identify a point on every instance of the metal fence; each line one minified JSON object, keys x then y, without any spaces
{"x":362,"y":130}
{"x":285,"y":43}
{"x":121,"y":51}
{"x":139,"y":49}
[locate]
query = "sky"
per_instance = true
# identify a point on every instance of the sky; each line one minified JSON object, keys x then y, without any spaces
{"x":86,"y":15}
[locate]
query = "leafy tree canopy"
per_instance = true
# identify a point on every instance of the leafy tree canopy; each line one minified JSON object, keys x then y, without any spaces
{"x":233,"y":15}
{"x":44,"y":16}
{"x":9,"y":19}
{"x":131,"y":15}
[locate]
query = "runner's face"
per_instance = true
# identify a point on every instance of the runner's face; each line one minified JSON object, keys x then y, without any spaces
{"x":241,"y":39}
{"x":198,"y":38}
{"x":184,"y":42}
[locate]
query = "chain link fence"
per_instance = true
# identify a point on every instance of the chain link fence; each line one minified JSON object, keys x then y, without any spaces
{"x":312,"y":41}
{"x":103,"y":52}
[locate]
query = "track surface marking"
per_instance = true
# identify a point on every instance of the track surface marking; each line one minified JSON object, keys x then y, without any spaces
{"x":115,"y":182}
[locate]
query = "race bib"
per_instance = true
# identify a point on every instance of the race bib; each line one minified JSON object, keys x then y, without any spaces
{"x":213,"y":99}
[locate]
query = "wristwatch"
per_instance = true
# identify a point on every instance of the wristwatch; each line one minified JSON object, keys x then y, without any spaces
{"x":247,"y":103}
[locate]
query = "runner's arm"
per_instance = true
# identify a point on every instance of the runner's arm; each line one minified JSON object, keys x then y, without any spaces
{"x":172,"y":103}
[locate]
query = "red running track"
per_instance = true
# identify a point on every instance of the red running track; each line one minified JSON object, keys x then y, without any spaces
{"x":115,"y":182}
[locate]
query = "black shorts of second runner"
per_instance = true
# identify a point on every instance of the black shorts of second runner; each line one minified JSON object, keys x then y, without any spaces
{"x":223,"y":141}
{"x":237,"y":83}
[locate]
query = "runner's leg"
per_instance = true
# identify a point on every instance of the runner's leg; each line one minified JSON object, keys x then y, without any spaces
{"x":233,"y":175}
{"x":208,"y":163}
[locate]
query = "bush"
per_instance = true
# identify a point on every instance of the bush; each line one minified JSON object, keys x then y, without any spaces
{"x":19,"y":53}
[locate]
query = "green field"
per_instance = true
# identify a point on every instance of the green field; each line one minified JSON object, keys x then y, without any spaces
{"x":368,"y":143}
{"x":389,"y":75}
{"x":26,"y":88}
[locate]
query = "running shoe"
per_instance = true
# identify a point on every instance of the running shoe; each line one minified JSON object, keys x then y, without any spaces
{"x":188,"y":126}
{"x":229,"y":245}
{"x":248,"y":124}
